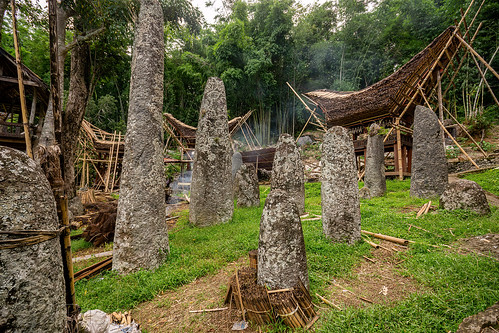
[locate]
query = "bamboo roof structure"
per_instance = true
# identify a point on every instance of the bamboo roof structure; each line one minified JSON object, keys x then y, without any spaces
{"x":188,"y":133}
{"x":390,"y":96}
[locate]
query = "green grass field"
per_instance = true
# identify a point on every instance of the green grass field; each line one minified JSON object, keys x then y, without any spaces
{"x":458,"y":285}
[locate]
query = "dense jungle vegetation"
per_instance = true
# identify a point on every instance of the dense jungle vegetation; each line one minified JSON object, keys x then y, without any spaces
{"x":257,"y":46}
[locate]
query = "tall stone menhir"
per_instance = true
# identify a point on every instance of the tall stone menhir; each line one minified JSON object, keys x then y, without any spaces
{"x":141,"y":236}
{"x":282,"y":260}
{"x":374,"y":178}
{"x":287,"y":171}
{"x":339,"y":189}
{"x":429,"y":164}
{"x":32,"y":293}
{"x":211,"y":186}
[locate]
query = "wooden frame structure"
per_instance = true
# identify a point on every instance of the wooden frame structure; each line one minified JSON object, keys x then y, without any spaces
{"x":12,"y":122}
{"x":101,"y":152}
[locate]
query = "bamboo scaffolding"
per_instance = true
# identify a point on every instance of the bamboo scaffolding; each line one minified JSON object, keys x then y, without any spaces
{"x":116,"y":162}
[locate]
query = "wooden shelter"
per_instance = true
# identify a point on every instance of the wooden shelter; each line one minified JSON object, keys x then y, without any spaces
{"x":392,"y":101}
{"x":36,"y":95}
{"x":101,"y":152}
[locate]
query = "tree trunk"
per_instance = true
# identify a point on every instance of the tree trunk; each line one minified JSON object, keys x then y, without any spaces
{"x":74,"y":112}
{"x":141,"y":237}
{"x":3,"y":8}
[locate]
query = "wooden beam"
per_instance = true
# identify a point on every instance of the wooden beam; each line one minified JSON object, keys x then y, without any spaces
{"x":14,"y":80}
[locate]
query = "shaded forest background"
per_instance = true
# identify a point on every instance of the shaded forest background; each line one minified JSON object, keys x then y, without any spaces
{"x":256,"y":47}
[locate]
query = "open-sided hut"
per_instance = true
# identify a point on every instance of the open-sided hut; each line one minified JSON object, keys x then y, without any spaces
{"x":37,"y":97}
{"x":392,"y":100}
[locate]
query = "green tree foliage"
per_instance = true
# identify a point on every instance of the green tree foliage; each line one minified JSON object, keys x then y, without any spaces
{"x":256,"y":47}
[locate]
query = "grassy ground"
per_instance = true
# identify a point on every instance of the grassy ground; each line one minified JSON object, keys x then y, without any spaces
{"x":458,"y":285}
{"x":488,"y":180}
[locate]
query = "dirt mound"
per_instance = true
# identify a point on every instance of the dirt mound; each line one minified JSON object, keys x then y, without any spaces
{"x":487,"y":245}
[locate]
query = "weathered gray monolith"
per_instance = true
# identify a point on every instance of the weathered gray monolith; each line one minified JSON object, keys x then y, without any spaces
{"x":465,"y":194}
{"x":246,"y":190}
{"x":429,"y":164}
{"x":141,"y":236}
{"x":374,"y":179}
{"x":339,"y":189}
{"x":32,"y":292}
{"x":287,"y":171}
{"x":211,"y":187}
{"x":237,"y":161}
{"x":281,"y":249}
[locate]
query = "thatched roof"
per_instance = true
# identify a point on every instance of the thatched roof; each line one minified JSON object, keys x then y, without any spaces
{"x":389,"y":96}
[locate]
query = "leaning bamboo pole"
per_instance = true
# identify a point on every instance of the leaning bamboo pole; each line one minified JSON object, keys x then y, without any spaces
{"x":22,"y":96}
{"x":307,"y":108}
{"x":472,"y":50}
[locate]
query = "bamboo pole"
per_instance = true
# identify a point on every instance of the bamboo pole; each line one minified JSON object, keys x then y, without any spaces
{"x":484,"y":79}
{"x":307,"y":108}
{"x":387,"y":238}
{"x":303,"y":129}
{"x":458,"y":145}
{"x":116,"y":161}
{"x":472,"y":50}
{"x":22,"y":97}
{"x":440,"y":105}
{"x":239,"y":295}
{"x":465,"y":131}
{"x":110,"y":163}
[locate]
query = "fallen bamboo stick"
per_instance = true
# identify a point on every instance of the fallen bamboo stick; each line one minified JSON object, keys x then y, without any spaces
{"x":427,"y":208}
{"x":369,"y":259}
{"x":421,"y":210}
{"x":387,"y":238}
{"x":279,"y":290}
{"x":328,"y":302}
{"x":311,"y":322}
{"x":376,"y":246}
{"x":208,"y":310}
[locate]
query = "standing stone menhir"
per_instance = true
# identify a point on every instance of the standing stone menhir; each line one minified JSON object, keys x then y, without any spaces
{"x":211,"y":186}
{"x":374,"y":179}
{"x":287,"y":171}
{"x":141,"y":235}
{"x":32,"y":292}
{"x":282,"y":260}
{"x":339,"y":189}
{"x":246,"y":189}
{"x":429,"y":164}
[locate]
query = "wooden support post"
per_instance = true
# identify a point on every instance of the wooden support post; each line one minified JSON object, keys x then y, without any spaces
{"x":68,"y":264}
{"x":440,"y":105}
{"x":116,"y":162}
{"x":399,"y":154}
{"x":33,"y":109}
{"x":22,"y":97}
